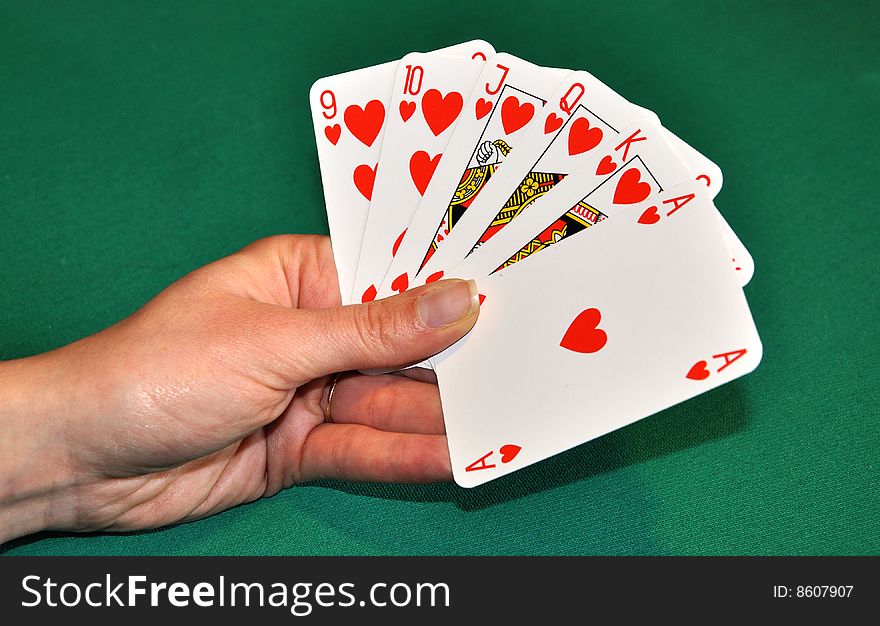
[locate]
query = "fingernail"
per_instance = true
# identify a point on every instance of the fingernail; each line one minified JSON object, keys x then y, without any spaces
{"x":449,"y":302}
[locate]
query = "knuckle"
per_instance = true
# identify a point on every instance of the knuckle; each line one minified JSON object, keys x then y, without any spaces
{"x":383,"y":401}
{"x":339,"y":452}
{"x":375,"y":404}
{"x":288,"y":243}
{"x":274,"y":242}
{"x":378,"y":326}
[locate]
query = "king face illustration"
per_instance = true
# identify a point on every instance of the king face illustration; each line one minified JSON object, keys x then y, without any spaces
{"x":579,"y":217}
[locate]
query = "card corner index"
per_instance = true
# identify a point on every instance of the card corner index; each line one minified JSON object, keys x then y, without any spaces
{"x":465,"y":480}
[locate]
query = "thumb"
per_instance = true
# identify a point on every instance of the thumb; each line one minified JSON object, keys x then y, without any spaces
{"x":391,"y":332}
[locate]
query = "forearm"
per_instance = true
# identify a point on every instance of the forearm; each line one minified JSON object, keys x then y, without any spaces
{"x":35,"y":465}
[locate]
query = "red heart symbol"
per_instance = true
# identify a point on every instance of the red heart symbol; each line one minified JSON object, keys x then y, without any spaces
{"x":421,"y":169}
{"x":482,"y":108}
{"x":581,"y":137}
{"x":606,"y":166}
{"x":698,"y":371}
{"x":630,"y":189}
{"x":441,"y":111}
{"x":434,"y":277}
{"x":397,"y":242}
{"x":552,"y":123}
{"x":508,"y":452}
{"x":650,"y":216}
{"x":364,"y":177}
{"x":583,"y":334}
{"x":365,"y":123}
{"x":407,"y":108}
{"x":400,"y":283}
{"x":332,"y":133}
{"x":515,"y":115}
{"x":369,"y":294}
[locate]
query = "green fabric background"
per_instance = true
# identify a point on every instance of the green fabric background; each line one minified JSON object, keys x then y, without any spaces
{"x":139,"y":140}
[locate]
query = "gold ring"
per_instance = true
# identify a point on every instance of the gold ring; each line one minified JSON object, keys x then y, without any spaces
{"x":328,"y":416}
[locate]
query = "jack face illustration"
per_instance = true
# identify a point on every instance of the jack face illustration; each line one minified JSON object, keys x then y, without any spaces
{"x":515,"y":109}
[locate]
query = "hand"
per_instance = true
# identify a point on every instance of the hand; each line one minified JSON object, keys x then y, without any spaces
{"x":213,"y":394}
{"x":486,"y":152}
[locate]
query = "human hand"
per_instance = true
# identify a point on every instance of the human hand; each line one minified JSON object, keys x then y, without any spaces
{"x":213,"y":394}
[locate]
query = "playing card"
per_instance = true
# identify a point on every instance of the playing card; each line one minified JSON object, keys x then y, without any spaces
{"x":571,"y":126}
{"x":704,"y":170}
{"x":616,"y":323}
{"x":626,"y":168}
{"x":710,"y":176}
{"x":708,"y":173}
{"x":507,"y":95}
{"x":428,"y":97}
{"x":349,"y":112}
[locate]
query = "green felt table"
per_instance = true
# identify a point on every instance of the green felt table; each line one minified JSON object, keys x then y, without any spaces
{"x":141,"y":140}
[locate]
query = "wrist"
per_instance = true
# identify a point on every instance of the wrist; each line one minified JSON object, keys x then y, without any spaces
{"x":35,"y":460}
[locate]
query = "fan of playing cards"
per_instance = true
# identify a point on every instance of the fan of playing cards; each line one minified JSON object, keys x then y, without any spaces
{"x":466,"y":163}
